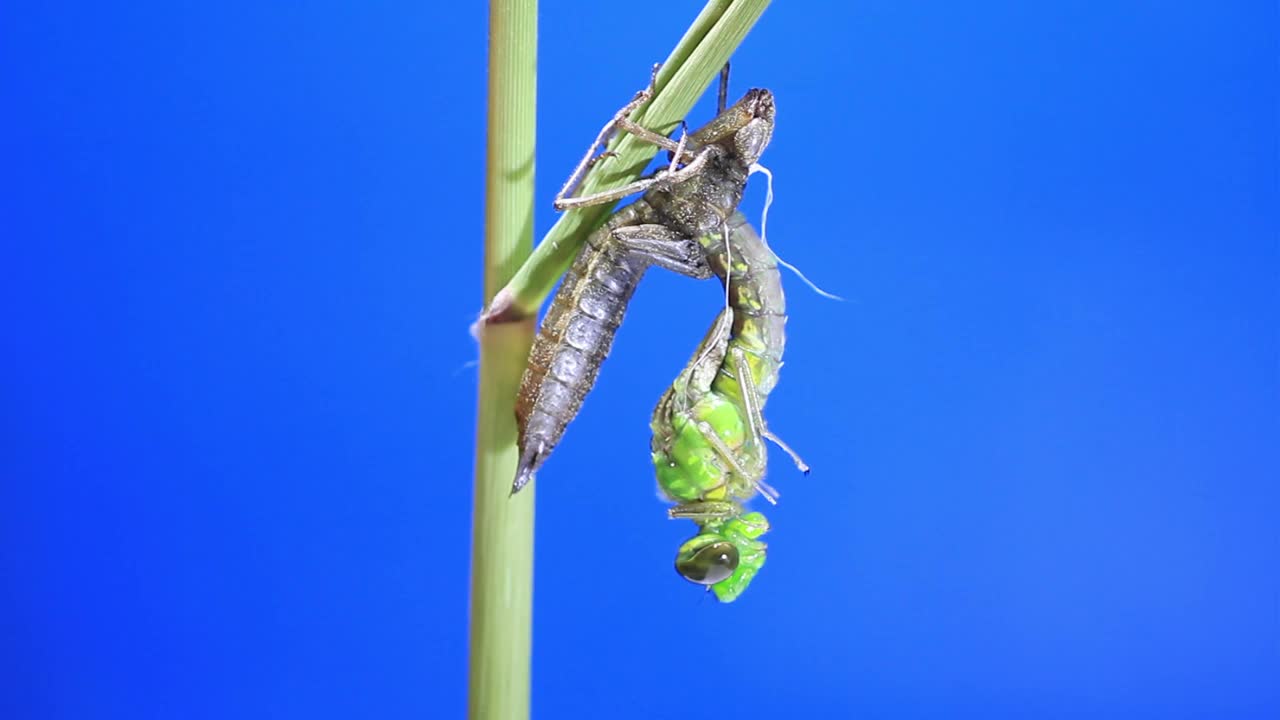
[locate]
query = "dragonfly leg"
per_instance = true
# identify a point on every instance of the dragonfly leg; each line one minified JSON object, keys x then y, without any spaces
{"x":665,"y":248}
{"x":621,"y":120}
{"x":705,"y":510}
{"x":751,"y":397}
{"x":695,"y":379}
{"x":725,"y":452}
{"x":654,"y":138}
{"x":705,"y":365}
{"x":618,"y":120}
{"x":665,"y":177}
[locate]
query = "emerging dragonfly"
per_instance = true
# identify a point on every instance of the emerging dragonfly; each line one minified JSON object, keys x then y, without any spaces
{"x":689,"y":199}
{"x":708,"y":443}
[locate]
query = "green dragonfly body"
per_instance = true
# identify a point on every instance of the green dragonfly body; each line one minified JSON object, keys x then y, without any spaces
{"x":708,"y":443}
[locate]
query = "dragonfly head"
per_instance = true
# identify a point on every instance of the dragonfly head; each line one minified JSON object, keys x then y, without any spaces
{"x":742,"y":131}
{"x":707,"y":559}
{"x":750,"y":141}
{"x":725,"y":555}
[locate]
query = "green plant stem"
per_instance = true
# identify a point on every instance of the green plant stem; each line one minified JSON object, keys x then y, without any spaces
{"x":685,"y":76}
{"x":516,"y":284}
{"x":502,"y":526}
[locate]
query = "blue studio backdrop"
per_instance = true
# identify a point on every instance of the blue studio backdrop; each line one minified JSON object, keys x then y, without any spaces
{"x":242,"y":246}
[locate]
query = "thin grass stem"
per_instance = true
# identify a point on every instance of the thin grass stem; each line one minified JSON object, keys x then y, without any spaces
{"x":502,"y":526}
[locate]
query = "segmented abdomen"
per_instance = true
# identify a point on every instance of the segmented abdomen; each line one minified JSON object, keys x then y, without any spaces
{"x":574,"y":340}
{"x":708,"y":393}
{"x":750,"y":270}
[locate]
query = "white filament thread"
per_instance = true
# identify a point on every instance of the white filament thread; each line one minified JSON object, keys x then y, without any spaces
{"x":764,"y":237}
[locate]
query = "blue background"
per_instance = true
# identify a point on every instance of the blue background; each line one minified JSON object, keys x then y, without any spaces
{"x":242,"y":245}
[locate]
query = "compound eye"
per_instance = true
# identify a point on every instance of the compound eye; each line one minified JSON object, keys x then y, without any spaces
{"x":750,"y":141}
{"x":707,"y":561}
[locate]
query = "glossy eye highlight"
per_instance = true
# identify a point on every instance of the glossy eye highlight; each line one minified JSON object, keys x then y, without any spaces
{"x":707,"y":560}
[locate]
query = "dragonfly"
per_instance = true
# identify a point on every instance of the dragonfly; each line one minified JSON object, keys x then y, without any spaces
{"x":709,"y":431}
{"x":690,"y":199}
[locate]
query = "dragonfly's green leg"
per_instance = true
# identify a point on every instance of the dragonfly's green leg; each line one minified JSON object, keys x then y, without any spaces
{"x":702,"y":510}
{"x":725,"y":452}
{"x":665,"y":248}
{"x":751,"y":398}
